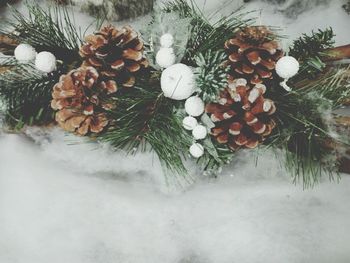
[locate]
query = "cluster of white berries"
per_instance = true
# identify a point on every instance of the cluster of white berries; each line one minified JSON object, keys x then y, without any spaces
{"x":194,"y":107}
{"x":178,"y":83}
{"x":44,"y":61}
{"x":166,"y":56}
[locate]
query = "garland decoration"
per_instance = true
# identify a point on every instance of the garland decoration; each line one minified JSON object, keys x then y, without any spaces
{"x":189,"y":86}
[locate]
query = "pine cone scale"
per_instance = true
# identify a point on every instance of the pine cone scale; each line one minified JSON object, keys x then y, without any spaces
{"x":132,"y":54}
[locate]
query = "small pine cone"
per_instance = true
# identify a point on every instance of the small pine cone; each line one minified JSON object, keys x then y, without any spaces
{"x":242,"y":115}
{"x":7,"y":44}
{"x":253,"y":54}
{"x":81,"y":100}
{"x":115,"y":53}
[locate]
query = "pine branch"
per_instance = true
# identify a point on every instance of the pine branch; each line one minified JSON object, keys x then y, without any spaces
{"x":308,"y":50}
{"x":333,"y":85}
{"x":26,"y":94}
{"x":145,"y":117}
{"x":52,"y":30}
{"x":211,"y":74}
{"x":303,"y":132}
{"x":206,"y":34}
{"x":215,"y":157}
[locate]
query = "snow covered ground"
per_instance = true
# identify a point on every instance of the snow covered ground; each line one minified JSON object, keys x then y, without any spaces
{"x":62,"y":200}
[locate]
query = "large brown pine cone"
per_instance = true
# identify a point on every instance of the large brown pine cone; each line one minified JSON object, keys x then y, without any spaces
{"x":253,"y":53}
{"x":81,"y":100}
{"x":116,"y":53}
{"x":242,"y":115}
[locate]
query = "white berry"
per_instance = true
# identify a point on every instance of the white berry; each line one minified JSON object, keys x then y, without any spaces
{"x":45,"y":61}
{"x":287,"y":67}
{"x":166,"y":40}
{"x":165,"y":57}
{"x":199,"y":132}
{"x":189,"y":123}
{"x":196,"y":150}
{"x":25,"y":52}
{"x":194,"y":106}
{"x":178,"y":82}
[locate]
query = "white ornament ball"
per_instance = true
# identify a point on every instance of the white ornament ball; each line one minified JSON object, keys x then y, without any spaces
{"x":45,"y":61}
{"x":200,"y":132}
{"x":166,"y":40}
{"x":165,"y":57}
{"x":196,"y":150}
{"x":287,"y":67}
{"x":194,"y":106}
{"x":25,"y":52}
{"x":178,"y":82}
{"x":189,"y":123}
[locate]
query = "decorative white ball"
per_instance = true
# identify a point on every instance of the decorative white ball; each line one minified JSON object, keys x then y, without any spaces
{"x":178,"y":82}
{"x":200,"y":132}
{"x":165,"y":57}
{"x":166,"y":40}
{"x":25,"y":52}
{"x":189,"y":123}
{"x":287,"y":67}
{"x":45,"y":61}
{"x":194,"y":106}
{"x":196,"y":150}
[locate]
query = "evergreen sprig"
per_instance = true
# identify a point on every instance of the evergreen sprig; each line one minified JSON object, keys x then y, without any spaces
{"x":52,"y":30}
{"x":211,"y":74}
{"x":143,"y":118}
{"x":333,"y":85}
{"x":308,"y":50}
{"x":303,"y":132}
{"x":206,"y":33}
{"x":26,"y":93}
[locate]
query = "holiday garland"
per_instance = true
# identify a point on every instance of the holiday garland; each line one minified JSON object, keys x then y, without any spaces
{"x":187,"y":85}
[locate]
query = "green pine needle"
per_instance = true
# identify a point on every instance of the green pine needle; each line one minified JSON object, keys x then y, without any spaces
{"x":211,"y":74}
{"x":52,"y":30}
{"x":26,"y":94}
{"x":144,"y":117}
{"x":308,"y":50}
{"x":303,"y":132}
{"x":207,"y":33}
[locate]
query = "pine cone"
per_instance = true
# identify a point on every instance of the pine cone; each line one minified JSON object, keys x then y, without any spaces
{"x":253,"y":54}
{"x":81,"y":100}
{"x":242,"y":115}
{"x":115,"y":53}
{"x":7,"y":44}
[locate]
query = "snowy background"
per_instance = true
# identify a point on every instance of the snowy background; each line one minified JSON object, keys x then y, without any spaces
{"x":65,"y":200}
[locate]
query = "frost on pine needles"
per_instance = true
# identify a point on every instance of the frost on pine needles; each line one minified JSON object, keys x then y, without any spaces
{"x":211,"y":74}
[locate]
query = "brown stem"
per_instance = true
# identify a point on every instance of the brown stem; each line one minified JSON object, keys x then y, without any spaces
{"x":337,"y":53}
